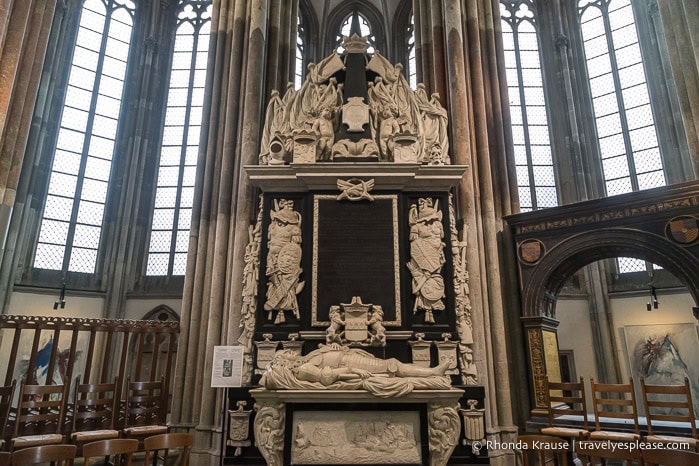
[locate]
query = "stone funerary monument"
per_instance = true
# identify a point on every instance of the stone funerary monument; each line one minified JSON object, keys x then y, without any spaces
{"x":355,"y":292}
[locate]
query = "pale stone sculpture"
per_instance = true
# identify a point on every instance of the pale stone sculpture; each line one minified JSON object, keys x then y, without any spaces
{"x":356,"y":324}
{"x":355,"y":189}
{"x":269,"y":431}
{"x":421,"y":350}
{"x":464,"y":325}
{"x":342,"y":368}
{"x":474,"y":426}
{"x":283,"y":260}
{"x":265,"y":352}
{"x":251,"y":274}
{"x":427,"y":256}
{"x":324,"y":128}
{"x":394,"y":110}
{"x":443,"y":430}
{"x":239,"y":428}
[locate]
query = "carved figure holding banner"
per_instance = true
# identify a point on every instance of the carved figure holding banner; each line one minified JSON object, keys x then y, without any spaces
{"x":283,"y":260}
{"x":427,"y":256}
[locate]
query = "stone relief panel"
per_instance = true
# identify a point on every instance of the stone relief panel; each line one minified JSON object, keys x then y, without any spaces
{"x":427,"y":256}
{"x":367,"y":437}
{"x":283,"y":261}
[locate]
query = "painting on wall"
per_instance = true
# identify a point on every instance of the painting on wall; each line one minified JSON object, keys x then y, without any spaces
{"x":663,"y":355}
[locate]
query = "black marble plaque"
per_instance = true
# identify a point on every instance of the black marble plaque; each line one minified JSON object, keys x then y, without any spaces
{"x":356,"y":254}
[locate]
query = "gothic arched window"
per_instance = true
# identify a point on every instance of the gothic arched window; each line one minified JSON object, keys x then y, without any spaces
{"x":73,"y":214}
{"x":364,"y":27}
{"x":624,"y":121}
{"x":536,"y":179}
{"x":172,"y":212}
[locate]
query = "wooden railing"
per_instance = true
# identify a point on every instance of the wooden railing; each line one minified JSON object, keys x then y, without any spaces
{"x":46,"y":350}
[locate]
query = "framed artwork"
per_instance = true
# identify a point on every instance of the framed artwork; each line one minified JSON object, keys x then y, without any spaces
{"x":663,"y":355}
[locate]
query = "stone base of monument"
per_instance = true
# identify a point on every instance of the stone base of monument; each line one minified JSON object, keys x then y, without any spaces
{"x":343,"y":427}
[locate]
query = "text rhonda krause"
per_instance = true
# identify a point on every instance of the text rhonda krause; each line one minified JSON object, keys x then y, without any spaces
{"x":584,"y":444}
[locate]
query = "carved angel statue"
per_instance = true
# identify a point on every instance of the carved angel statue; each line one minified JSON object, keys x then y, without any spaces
{"x":427,"y":256}
{"x":283,"y":260}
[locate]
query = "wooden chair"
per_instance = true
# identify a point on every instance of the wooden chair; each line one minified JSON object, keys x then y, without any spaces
{"x":94,"y":406}
{"x":5,"y":458}
{"x":118,"y":450}
{"x":59,"y":455}
{"x":6,"y":395}
{"x":676,"y":398}
{"x":39,"y":416}
{"x":593,"y":451}
{"x":542,"y":449}
{"x":670,"y":458}
{"x":560,"y":403}
{"x":167,"y":442}
{"x":621,"y":407}
{"x":145,"y":413}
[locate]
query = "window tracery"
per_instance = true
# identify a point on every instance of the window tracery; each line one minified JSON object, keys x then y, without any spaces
{"x":174,"y":195}
{"x":73,"y":214}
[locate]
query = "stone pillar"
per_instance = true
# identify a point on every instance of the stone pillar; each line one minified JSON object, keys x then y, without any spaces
{"x":24,"y":31}
{"x":680,"y":19}
{"x":241,"y":60}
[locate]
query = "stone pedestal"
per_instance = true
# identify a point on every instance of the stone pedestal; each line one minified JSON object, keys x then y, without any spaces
{"x":443,"y":423}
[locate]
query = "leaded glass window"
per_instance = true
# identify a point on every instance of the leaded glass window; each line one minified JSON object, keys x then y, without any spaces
{"x":626,"y":131}
{"x":364,"y":27}
{"x":412,"y":61}
{"x":71,"y":223}
{"x":536,"y":180}
{"x":300,"y":42}
{"x":174,"y":195}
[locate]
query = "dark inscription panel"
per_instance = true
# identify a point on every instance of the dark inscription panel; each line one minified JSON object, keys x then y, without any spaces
{"x":355,"y":254}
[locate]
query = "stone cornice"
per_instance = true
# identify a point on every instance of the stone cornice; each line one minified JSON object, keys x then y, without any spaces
{"x":324,"y":176}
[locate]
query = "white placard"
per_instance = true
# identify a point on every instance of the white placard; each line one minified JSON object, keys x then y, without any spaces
{"x":227,"y":370}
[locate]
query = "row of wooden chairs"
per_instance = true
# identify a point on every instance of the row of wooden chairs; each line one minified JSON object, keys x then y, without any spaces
{"x":618,"y":401}
{"x":544,"y":449}
{"x":96,"y":414}
{"x":119,"y":451}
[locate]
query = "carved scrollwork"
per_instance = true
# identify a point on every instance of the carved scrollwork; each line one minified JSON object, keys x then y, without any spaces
{"x":283,"y":261}
{"x":427,"y":256}
{"x":269,"y":432}
{"x":444,"y":428}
